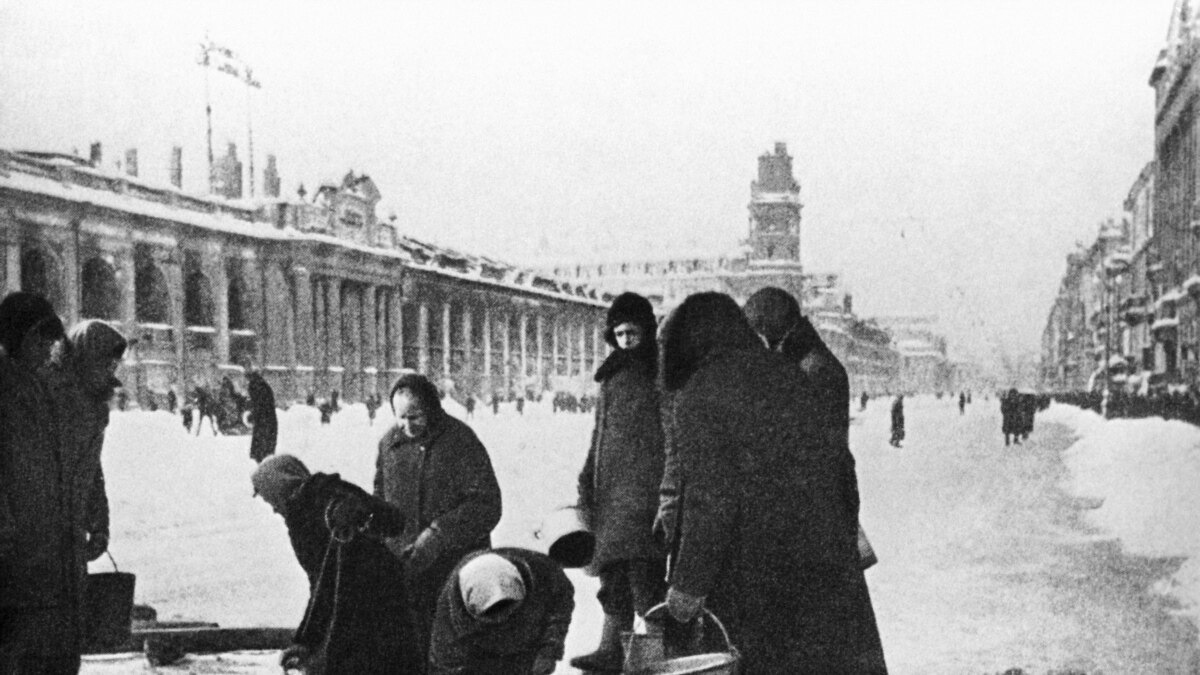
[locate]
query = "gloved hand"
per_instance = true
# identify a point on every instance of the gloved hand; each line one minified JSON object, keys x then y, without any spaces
{"x":679,"y":638}
{"x":95,"y":546}
{"x":425,"y":550}
{"x":348,"y":514}
{"x":295,"y":657}
{"x":683,"y":606}
{"x":543,"y":665}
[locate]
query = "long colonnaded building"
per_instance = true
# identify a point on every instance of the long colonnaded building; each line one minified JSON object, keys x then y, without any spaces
{"x":318,"y":293}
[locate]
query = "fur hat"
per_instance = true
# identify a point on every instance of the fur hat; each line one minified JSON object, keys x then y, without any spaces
{"x":20,"y":312}
{"x":486,"y":582}
{"x":629,"y":308}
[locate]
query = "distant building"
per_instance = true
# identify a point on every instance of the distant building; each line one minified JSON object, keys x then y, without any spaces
{"x":319,"y":293}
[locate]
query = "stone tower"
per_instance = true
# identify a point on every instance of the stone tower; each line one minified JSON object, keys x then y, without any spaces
{"x":775,"y":212}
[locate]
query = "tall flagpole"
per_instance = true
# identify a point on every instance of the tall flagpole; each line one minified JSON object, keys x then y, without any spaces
{"x":251,"y":83}
{"x":205,"y":47}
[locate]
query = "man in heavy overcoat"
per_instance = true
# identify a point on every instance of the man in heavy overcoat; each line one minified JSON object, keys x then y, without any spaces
{"x":618,"y":486}
{"x":767,"y":536}
{"x":434,"y":469}
{"x":775,"y":315}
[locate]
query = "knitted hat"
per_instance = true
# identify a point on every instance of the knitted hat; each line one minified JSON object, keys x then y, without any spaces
{"x":773,"y":313}
{"x":488,"y":583}
{"x":278,"y":477}
{"x":19,"y":312}
{"x":96,"y":340}
{"x":629,"y":308}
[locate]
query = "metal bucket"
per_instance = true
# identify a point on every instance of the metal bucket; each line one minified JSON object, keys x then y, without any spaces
{"x":646,"y":658}
{"x":568,"y":540}
{"x":107,"y":605}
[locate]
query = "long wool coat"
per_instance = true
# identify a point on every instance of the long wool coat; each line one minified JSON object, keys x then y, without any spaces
{"x":358,"y":617}
{"x":262,"y":410}
{"x":462,"y":644}
{"x":766,"y":532}
{"x":619,"y":483}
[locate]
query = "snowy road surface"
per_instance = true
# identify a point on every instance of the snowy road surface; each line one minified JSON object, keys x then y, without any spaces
{"x":1044,"y":556}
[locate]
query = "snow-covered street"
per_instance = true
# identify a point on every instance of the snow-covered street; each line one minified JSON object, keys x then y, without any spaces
{"x":1055,"y":554}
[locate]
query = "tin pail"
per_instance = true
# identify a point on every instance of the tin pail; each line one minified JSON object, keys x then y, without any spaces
{"x":107,"y":604}
{"x":567,"y":538}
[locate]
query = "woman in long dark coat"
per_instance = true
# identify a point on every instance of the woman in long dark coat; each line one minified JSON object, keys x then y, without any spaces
{"x":767,"y":535}
{"x":358,"y":618}
{"x":775,"y":315}
{"x":618,"y":487}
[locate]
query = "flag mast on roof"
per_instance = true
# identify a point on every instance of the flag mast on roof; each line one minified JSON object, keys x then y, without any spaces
{"x":213,"y":55}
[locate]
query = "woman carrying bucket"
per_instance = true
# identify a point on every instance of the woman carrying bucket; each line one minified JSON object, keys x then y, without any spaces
{"x":618,"y":487}
{"x":766,"y":540}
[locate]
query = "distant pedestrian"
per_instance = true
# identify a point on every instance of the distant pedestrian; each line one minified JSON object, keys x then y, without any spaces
{"x":122,"y":400}
{"x":520,"y":405}
{"x":470,"y":404}
{"x":172,"y":401}
{"x":262,"y":411}
{"x":501,"y":612}
{"x":495,"y":404}
{"x":897,"y":421}
{"x":1010,"y":416}
{"x":373,"y":402}
{"x":862,"y":401}
{"x":326,"y":412}
{"x":962,"y":402}
{"x":333,"y":401}
{"x":186,"y":413}
{"x":311,"y":399}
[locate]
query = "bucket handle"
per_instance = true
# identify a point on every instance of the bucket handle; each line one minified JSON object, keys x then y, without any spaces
{"x":662,"y":606}
{"x":112,"y":560}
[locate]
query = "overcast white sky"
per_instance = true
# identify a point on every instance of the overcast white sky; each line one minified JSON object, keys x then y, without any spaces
{"x":950,"y":152}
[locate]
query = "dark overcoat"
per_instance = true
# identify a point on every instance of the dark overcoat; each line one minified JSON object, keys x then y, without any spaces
{"x":767,"y":531}
{"x":358,"y":618}
{"x":444,"y":477}
{"x":463,"y":645}
{"x":619,"y":483}
{"x":262,"y":410}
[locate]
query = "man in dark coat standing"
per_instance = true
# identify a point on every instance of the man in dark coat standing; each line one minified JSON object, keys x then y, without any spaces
{"x":262,"y":411}
{"x":502,"y":612}
{"x":358,"y":618}
{"x":1010,"y":416}
{"x":775,"y":315}
{"x":767,"y":538}
{"x":433,"y":468}
{"x":618,"y":487}
{"x":39,"y":545}
{"x":897,"y":421}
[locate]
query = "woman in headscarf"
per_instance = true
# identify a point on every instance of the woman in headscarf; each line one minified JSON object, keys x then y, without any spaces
{"x":618,"y":487}
{"x":766,"y":538}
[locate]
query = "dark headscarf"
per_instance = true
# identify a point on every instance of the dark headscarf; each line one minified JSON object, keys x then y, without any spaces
{"x":421,"y":389}
{"x":703,"y":326}
{"x":630,"y":308}
{"x":775,"y":315}
{"x":21,"y":311}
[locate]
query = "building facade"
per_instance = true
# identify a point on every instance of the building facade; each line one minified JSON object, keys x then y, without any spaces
{"x":317,"y":293}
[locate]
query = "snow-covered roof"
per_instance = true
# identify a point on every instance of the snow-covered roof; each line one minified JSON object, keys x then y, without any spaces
{"x":250,"y":222}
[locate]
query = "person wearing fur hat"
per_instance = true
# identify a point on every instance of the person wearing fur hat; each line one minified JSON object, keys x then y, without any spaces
{"x":433,"y":468}
{"x":766,"y":539}
{"x":619,"y":483}
{"x":358,"y":618}
{"x":39,"y":588}
{"x":502,"y":612}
